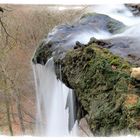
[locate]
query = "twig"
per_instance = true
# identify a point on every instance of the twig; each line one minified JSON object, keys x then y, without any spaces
{"x":8,"y":35}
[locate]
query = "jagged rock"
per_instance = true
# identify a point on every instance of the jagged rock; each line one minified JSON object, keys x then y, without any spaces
{"x":102,"y":43}
{"x":134,"y":8}
{"x":78,"y":45}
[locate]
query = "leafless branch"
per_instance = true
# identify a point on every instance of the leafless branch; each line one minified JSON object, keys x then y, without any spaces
{"x":5,"y":30}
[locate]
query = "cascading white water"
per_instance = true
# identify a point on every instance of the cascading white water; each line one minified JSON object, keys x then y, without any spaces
{"x":118,"y":12}
{"x":52,"y":114}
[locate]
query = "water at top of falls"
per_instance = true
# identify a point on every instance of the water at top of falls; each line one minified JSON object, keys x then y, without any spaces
{"x":118,"y":12}
{"x":52,"y":114}
{"x":132,"y":31}
{"x":85,"y":36}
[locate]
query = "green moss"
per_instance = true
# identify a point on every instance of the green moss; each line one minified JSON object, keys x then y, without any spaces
{"x":100,"y":81}
{"x":115,"y":62}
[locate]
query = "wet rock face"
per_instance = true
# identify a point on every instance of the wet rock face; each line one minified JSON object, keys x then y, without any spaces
{"x":64,"y":37}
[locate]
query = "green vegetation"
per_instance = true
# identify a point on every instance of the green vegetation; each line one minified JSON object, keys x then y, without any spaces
{"x":103,"y":86}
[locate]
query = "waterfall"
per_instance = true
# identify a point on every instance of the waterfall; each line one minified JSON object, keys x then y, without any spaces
{"x":54,"y":102}
{"x":55,"y":114}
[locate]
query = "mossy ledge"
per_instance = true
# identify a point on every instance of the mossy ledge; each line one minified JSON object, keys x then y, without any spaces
{"x":104,"y":89}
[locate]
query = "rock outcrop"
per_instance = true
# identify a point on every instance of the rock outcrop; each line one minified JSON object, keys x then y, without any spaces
{"x":103,"y":85}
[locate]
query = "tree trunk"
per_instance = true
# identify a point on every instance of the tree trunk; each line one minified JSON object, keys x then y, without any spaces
{"x":8,"y":115}
{"x":20,"y":113}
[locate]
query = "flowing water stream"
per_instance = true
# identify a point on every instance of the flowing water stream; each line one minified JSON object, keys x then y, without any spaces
{"x":55,"y":103}
{"x":52,"y":95}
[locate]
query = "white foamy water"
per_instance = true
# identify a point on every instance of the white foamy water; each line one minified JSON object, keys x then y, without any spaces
{"x":52,"y":94}
{"x":132,"y":31}
{"x":118,"y":12}
{"x":84,"y":37}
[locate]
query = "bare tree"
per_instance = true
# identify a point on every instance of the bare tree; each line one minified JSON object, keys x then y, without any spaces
{"x":12,"y":85}
{"x":7,"y":104}
{"x":8,"y":115}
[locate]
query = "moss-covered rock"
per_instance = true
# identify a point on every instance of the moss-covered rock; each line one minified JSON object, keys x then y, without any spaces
{"x":42,"y":53}
{"x":105,"y":89}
